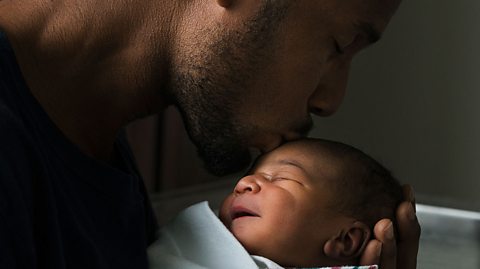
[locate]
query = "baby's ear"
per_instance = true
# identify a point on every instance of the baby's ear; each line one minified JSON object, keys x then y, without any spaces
{"x":349,"y":243}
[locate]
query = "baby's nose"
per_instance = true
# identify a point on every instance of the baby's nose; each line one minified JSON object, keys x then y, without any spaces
{"x":247,"y":184}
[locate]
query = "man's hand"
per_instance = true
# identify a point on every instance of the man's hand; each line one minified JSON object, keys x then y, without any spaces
{"x":400,"y":253}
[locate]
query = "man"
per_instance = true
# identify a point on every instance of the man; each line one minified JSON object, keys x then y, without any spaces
{"x":244,"y":74}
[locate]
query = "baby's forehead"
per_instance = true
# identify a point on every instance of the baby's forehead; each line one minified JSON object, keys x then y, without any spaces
{"x":311,"y":150}
{"x":312,"y":156}
{"x":290,"y":151}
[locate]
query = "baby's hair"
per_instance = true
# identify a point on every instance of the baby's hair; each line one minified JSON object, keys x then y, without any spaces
{"x":366,"y":190}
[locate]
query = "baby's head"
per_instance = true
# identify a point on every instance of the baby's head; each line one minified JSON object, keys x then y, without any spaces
{"x":310,"y":202}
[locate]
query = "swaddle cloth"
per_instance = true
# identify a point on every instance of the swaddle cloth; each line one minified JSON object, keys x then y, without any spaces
{"x":343,"y":267}
{"x":197,"y":239}
{"x":264,"y":263}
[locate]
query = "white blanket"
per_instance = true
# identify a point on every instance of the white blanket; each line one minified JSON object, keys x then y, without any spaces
{"x":197,"y":239}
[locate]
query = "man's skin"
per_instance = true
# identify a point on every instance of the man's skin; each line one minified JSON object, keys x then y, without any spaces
{"x":244,"y":74}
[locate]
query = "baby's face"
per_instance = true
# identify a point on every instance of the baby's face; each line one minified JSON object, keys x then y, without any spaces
{"x":282,"y":209}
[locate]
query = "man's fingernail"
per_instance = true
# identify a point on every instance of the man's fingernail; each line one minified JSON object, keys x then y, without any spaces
{"x":411,"y":213}
{"x":389,"y":232}
{"x":410,"y":196}
{"x":379,"y":251}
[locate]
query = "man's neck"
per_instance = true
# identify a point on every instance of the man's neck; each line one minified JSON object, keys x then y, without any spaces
{"x":94,"y":66}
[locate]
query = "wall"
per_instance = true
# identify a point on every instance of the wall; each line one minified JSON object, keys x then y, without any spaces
{"x":413,"y":101}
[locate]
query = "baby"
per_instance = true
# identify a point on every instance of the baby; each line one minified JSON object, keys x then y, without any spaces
{"x":308,"y":203}
{"x":311,"y":202}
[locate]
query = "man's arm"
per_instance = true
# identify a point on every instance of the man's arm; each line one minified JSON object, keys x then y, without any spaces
{"x":396,"y":253}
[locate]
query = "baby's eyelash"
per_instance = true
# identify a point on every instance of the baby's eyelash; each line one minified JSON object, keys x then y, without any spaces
{"x":268,"y":177}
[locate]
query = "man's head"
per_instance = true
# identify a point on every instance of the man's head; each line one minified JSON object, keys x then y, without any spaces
{"x":249,"y":73}
{"x":310,"y":202}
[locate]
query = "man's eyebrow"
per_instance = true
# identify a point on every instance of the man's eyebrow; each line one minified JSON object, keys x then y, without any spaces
{"x":373,"y":35}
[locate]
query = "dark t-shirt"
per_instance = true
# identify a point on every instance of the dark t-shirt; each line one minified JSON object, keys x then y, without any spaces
{"x":58,"y":207}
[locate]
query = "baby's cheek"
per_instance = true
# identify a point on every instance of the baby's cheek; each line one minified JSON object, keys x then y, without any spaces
{"x":224,"y":213}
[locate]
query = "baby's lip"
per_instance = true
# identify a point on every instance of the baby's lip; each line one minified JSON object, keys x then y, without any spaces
{"x":240,"y":212}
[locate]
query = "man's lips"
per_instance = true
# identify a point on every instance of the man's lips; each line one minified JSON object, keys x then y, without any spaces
{"x":240,"y":212}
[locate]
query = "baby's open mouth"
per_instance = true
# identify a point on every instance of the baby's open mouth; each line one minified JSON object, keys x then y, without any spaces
{"x":242,"y":212}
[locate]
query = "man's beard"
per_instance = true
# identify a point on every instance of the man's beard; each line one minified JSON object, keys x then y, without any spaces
{"x":209,"y":83}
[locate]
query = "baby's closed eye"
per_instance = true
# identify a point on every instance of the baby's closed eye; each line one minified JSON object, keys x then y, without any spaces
{"x":282,"y":179}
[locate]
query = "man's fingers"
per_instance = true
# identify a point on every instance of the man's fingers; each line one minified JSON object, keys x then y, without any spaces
{"x":384,"y":232}
{"x":403,"y":249}
{"x":408,"y":236}
{"x":372,"y":253}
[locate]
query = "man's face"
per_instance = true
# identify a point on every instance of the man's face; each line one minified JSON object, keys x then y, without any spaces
{"x":249,"y":76}
{"x":283,"y":209}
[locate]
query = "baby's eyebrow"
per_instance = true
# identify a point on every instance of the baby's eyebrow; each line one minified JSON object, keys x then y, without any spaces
{"x":292,"y":163}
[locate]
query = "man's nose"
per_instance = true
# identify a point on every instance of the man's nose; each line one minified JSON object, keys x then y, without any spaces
{"x":329,"y":94}
{"x":248,"y":184}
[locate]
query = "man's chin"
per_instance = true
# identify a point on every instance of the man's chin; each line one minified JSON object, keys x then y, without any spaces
{"x":224,"y":163}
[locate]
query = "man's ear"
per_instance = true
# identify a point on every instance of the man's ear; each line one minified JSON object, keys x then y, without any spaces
{"x":224,"y":3}
{"x":349,"y":243}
